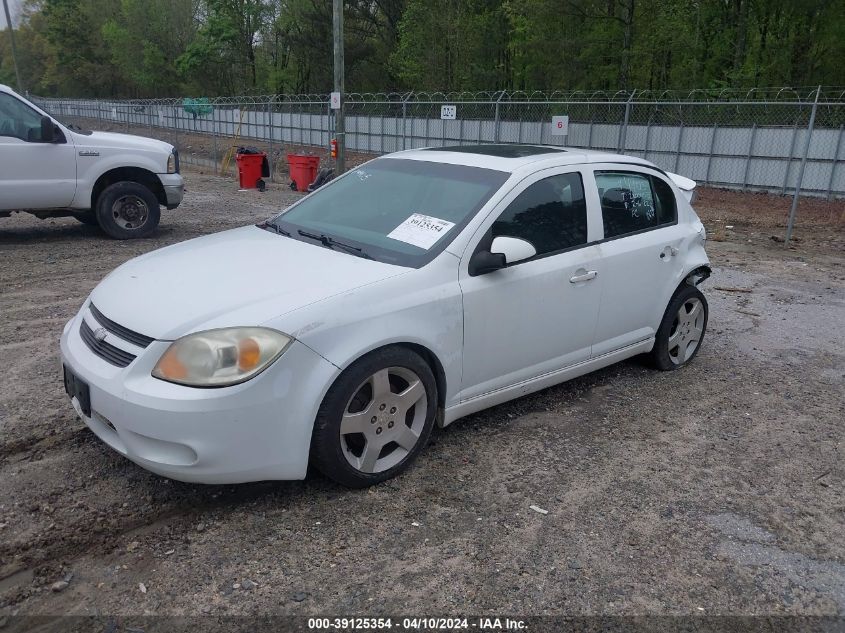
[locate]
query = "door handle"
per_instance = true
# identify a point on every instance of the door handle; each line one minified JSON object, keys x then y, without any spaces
{"x":587,"y":276}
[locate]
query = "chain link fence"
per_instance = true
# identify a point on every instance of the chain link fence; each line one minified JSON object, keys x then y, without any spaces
{"x":753,"y":140}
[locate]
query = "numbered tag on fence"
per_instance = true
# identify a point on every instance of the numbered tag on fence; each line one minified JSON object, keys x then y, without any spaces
{"x":448,"y":112}
{"x":560,"y":125}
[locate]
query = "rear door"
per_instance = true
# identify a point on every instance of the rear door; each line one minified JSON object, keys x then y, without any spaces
{"x":34,"y":175}
{"x":639,"y":252}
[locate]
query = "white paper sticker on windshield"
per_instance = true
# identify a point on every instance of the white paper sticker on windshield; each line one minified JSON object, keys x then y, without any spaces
{"x":421,"y":230}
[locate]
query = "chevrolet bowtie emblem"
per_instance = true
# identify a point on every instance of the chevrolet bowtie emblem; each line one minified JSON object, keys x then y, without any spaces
{"x":100,"y":334}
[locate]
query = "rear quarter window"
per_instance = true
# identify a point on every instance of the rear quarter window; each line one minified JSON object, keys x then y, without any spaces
{"x":632,"y":202}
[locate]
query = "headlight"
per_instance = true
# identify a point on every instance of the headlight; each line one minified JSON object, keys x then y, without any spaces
{"x":218,"y":358}
{"x":173,"y":162}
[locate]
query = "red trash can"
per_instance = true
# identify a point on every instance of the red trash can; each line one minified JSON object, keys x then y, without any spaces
{"x":250,"y":169}
{"x":303,"y":170}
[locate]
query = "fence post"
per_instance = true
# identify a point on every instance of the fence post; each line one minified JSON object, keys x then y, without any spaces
{"x":791,"y":224}
{"x":789,"y":158}
{"x":176,"y":126}
{"x":833,"y":164}
{"x":214,"y":137}
{"x":680,"y":145}
{"x":404,"y":115}
{"x":710,"y":154}
{"x":270,"y":136}
{"x":647,"y":138}
{"x":496,"y":120}
{"x":748,"y":156}
{"x":623,"y":131}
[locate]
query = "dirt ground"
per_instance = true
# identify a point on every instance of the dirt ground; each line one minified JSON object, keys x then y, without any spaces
{"x":717,"y":489}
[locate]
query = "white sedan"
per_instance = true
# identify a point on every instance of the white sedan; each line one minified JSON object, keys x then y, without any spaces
{"x":416,"y":289}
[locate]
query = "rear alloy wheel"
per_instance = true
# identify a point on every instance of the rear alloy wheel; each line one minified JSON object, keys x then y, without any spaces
{"x":682,"y":329}
{"x":376,"y":418}
{"x":127,"y":210}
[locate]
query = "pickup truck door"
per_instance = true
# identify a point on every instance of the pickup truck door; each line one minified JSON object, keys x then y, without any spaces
{"x":33,"y":175}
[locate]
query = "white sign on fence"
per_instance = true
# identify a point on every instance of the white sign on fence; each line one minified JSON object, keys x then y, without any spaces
{"x":448,"y":112}
{"x":560,"y":125}
{"x":335,"y":101}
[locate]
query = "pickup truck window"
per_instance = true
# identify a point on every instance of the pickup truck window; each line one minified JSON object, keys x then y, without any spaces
{"x":19,"y":120}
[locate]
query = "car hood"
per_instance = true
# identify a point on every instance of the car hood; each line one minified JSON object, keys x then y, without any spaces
{"x":245,"y":276}
{"x":113,"y":140}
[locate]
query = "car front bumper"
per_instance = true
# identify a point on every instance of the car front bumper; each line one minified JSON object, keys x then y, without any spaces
{"x":174,"y":189}
{"x":257,"y":430}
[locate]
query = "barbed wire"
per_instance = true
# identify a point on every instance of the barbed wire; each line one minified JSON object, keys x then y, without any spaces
{"x":781,"y":95}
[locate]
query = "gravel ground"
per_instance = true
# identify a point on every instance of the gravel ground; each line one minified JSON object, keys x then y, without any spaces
{"x":717,"y":489}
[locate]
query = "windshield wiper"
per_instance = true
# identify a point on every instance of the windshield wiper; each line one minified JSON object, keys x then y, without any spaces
{"x":272,"y":227}
{"x":330,"y":242}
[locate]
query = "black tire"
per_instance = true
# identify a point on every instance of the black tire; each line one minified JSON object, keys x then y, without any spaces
{"x":139,"y":215}
{"x":672,"y":353}
{"x":332,"y":451}
{"x":87,"y":217}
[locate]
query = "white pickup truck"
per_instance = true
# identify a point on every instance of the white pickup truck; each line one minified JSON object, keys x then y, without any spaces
{"x":48,"y":169}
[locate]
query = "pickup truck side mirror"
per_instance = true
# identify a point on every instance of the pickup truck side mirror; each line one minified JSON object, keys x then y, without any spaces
{"x":48,"y":130}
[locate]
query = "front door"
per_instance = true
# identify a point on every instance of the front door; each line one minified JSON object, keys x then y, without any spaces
{"x":34,"y":175}
{"x":537,"y":315}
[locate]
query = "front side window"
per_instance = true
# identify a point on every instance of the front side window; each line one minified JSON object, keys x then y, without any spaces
{"x":551,"y":214}
{"x":396,"y":211}
{"x":19,"y":120}
{"x":633,"y":202}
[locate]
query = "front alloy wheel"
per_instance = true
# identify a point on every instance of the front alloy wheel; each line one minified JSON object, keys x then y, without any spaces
{"x":383,"y":420}
{"x":376,"y":418}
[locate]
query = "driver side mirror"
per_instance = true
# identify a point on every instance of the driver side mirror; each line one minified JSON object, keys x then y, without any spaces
{"x":503,"y":251}
{"x":513,"y":248}
{"x":48,"y":130}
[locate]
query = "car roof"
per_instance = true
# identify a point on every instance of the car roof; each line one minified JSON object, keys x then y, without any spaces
{"x":512,"y":157}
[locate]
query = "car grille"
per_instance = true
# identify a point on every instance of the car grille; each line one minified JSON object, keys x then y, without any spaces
{"x":118,"y":330}
{"x":106,"y":351}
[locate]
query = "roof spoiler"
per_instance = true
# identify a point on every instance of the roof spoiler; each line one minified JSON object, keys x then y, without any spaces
{"x":686,"y":185}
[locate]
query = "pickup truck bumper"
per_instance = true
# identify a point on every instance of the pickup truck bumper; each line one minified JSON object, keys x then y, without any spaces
{"x":174,"y":189}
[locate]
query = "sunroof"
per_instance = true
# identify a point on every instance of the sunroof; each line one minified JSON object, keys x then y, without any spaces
{"x":501,"y":151}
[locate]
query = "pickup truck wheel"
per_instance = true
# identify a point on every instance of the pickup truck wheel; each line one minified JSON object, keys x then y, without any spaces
{"x":86,"y":217}
{"x":127,"y":210}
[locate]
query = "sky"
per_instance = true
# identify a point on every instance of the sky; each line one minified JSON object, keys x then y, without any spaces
{"x":14,"y":9}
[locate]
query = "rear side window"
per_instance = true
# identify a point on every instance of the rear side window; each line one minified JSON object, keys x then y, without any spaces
{"x":551,"y":214}
{"x":633,"y":202}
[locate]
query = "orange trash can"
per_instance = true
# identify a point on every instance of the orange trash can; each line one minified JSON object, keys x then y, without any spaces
{"x":303,"y":170}
{"x":250,"y":169}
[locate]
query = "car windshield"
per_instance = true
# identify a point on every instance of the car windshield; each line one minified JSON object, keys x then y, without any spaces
{"x":396,"y":211}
